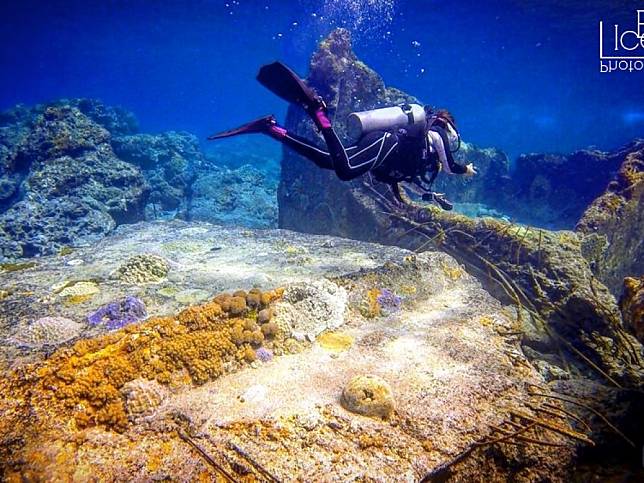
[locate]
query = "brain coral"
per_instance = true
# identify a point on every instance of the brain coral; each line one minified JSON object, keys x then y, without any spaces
{"x":142,"y":397}
{"x":143,"y":268}
{"x":309,"y":308}
{"x":369,"y":396}
{"x":47,"y":331}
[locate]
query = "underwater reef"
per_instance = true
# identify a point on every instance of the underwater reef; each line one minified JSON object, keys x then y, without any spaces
{"x":545,"y":190}
{"x":378,"y":341}
{"x":73,"y":170}
{"x":270,"y":355}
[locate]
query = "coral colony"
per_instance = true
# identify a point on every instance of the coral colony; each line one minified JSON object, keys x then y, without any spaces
{"x":119,"y":313}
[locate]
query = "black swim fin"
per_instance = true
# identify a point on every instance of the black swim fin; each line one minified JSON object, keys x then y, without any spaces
{"x":257,"y":126}
{"x":285,"y":83}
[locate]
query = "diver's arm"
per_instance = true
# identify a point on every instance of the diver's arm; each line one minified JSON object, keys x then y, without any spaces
{"x":441,"y":144}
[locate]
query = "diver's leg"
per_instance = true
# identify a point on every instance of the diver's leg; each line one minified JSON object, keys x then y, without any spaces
{"x":300,"y":145}
{"x":370,"y":152}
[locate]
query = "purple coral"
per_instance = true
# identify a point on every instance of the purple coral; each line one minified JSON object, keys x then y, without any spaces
{"x":389,"y":302}
{"x":264,"y":354}
{"x":119,"y":313}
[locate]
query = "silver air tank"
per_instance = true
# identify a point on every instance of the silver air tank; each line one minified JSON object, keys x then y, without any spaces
{"x":409,"y":116}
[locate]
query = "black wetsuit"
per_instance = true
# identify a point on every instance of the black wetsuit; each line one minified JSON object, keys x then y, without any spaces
{"x":392,"y":156}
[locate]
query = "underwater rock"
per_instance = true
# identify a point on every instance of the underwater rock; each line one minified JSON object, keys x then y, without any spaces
{"x":368,"y":395}
{"x":119,"y":313}
{"x":145,"y":268}
{"x":117,"y":120}
{"x":46,"y":331}
{"x":490,"y":186}
{"x":169,"y":162}
{"x":552,"y":191}
{"x":244,"y":197}
{"x":31,"y":228}
{"x":631,"y":304}
{"x":309,"y":308}
{"x":611,"y":228}
{"x":536,"y":269}
{"x":61,"y":183}
{"x":311,"y":199}
{"x":456,"y":377}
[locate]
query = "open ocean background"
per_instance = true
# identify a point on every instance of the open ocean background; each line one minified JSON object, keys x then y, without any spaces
{"x":522,"y":76}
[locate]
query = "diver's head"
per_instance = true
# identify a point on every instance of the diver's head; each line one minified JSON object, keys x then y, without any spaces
{"x":447,"y":117}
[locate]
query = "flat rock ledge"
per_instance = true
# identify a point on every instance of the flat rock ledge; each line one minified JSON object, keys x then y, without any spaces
{"x":420,"y":323}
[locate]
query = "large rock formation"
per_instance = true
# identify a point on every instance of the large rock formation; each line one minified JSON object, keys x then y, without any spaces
{"x":72,"y":170}
{"x":552,"y":191}
{"x":244,"y":196}
{"x":169,"y":162}
{"x":544,"y":190}
{"x":543,"y":272}
{"x":61,"y":182}
{"x":612,"y":227}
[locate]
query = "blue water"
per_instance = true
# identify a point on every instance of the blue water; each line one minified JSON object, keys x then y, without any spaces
{"x":522,"y":76}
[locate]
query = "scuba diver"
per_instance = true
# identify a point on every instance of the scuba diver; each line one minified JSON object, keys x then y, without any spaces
{"x":407,"y":143}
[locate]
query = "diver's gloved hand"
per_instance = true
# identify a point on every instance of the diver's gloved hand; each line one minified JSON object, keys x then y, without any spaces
{"x":470,"y":170}
{"x":439,"y":199}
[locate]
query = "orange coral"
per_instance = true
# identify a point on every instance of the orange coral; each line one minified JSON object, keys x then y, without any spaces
{"x":85,"y":381}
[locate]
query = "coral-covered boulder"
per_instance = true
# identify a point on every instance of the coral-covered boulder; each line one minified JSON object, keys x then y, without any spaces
{"x":168,"y":161}
{"x":632,"y":305}
{"x":244,"y":196}
{"x":552,"y":191}
{"x":60,"y":181}
{"x":612,"y":227}
{"x":31,"y":227}
{"x":368,"y":395}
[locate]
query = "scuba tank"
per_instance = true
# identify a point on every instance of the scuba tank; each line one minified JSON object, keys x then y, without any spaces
{"x":409,"y":116}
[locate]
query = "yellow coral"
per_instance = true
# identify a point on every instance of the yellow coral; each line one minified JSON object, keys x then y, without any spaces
{"x":335,"y":341}
{"x":453,"y":273}
{"x":371,"y":307}
{"x":77,"y":289}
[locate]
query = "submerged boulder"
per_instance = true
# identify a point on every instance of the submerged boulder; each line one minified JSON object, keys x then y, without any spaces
{"x":244,"y":196}
{"x":72,"y":170}
{"x":169,"y":162}
{"x":208,"y":374}
{"x":552,"y":190}
{"x":63,"y":185}
{"x":612,"y":226}
{"x":631,"y":304}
